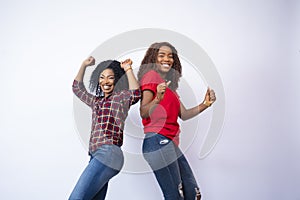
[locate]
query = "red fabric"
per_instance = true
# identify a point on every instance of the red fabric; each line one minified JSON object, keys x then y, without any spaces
{"x":163,"y":119}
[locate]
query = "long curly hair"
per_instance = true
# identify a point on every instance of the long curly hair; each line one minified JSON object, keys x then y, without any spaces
{"x":149,"y":63}
{"x":120,"y":83}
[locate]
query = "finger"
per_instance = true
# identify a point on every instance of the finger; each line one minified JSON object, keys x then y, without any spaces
{"x":208,"y":90}
{"x":162,"y":84}
{"x":92,"y":58}
{"x":168,"y":83}
{"x":128,"y":61}
{"x":213,"y":98}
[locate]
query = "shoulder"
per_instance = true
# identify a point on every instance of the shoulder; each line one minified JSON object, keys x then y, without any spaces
{"x":126,"y":96}
{"x":151,"y":77}
{"x":151,"y":73}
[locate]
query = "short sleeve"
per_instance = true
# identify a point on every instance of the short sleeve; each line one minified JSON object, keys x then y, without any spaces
{"x":150,"y":81}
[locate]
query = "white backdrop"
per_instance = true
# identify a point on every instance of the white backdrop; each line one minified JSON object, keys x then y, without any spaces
{"x":254,"y":45}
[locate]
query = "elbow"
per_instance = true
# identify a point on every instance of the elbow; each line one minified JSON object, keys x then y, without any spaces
{"x":143,"y":113}
{"x":183,"y":118}
{"x":73,"y":89}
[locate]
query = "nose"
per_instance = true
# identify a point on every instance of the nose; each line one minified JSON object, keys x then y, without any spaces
{"x":103,"y":80}
{"x":166,"y":58}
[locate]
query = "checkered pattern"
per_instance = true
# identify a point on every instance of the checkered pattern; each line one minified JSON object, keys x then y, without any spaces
{"x":108,"y":115}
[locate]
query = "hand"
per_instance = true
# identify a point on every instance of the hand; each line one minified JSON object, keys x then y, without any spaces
{"x":210,"y":97}
{"x":161,"y":89}
{"x":89,"y":61}
{"x":126,"y":64}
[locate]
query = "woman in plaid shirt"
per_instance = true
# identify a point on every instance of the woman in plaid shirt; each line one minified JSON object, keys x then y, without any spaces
{"x":116,"y":89}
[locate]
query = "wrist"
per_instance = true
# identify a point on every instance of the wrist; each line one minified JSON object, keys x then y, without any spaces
{"x":156,"y":100}
{"x":127,"y":69}
{"x":206,"y":103}
{"x":83,"y":65}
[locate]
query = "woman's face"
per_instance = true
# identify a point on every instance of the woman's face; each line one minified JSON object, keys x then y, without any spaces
{"x":106,"y":81}
{"x":164,"y":59}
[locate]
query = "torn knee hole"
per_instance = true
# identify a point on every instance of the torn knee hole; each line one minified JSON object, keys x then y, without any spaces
{"x":198,"y":194}
{"x":180,"y":189}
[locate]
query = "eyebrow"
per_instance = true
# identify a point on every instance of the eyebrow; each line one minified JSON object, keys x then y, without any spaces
{"x":102,"y":75}
{"x":162,"y":52}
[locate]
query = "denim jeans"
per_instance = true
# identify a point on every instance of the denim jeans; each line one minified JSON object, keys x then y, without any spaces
{"x":105,"y":163}
{"x":171,"y":169}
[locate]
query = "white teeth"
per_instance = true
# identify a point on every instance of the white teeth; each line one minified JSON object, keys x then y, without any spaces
{"x":165,"y":65}
{"x":106,"y":87}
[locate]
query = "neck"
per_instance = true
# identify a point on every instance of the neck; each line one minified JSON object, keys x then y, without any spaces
{"x":107,"y":94}
{"x":163,"y":75}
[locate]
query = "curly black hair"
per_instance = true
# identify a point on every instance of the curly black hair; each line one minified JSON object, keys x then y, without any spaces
{"x":149,"y":63}
{"x":120,"y":83}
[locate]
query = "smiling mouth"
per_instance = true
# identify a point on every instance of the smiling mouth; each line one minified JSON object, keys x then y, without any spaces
{"x":106,"y":87}
{"x":165,"y":65}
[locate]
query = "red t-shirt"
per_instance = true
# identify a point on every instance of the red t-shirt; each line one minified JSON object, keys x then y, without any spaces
{"x":163,"y":119}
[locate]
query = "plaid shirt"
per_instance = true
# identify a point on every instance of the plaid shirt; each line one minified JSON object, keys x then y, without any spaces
{"x":108,"y":114}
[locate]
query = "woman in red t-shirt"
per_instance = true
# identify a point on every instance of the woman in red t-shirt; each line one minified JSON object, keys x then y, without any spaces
{"x":160,"y":108}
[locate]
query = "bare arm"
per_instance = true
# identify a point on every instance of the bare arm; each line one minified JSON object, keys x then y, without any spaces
{"x":209,"y":99}
{"x":132,"y":82}
{"x":78,"y":86}
{"x":87,"y":62}
{"x":148,"y":103}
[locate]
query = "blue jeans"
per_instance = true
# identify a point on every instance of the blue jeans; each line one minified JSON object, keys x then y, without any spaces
{"x":105,"y":163}
{"x":171,"y":169}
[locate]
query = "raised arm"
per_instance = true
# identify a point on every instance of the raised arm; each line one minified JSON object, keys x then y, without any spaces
{"x":87,"y":62}
{"x":78,"y":86}
{"x":132,"y":82}
{"x":209,"y":99}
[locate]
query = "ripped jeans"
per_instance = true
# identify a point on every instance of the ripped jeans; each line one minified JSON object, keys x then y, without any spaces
{"x":171,"y":169}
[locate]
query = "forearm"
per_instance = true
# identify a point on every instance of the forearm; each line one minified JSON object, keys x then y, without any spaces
{"x":80,"y":91}
{"x":147,"y":109}
{"x":192,"y":112}
{"x":132,"y":82}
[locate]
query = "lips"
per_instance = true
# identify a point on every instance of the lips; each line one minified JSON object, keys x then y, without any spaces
{"x":106,"y":87}
{"x":165,"y":65}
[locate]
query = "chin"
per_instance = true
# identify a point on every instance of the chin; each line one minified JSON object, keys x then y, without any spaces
{"x":108,"y":92}
{"x":164,"y":70}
